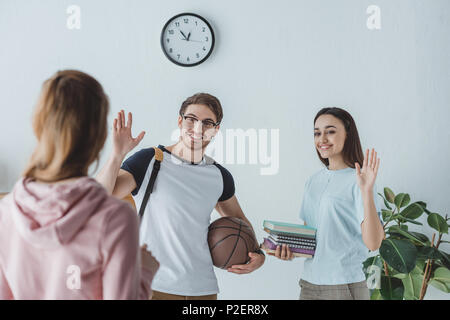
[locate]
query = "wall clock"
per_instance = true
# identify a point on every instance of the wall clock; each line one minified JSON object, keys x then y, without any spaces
{"x":187,"y":39}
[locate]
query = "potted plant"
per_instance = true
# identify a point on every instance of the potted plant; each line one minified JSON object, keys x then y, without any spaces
{"x":407,"y":262}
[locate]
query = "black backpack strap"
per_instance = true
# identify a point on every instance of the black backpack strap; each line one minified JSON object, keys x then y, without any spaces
{"x":159,"y":155}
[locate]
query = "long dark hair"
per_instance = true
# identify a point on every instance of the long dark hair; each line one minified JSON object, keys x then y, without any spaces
{"x":352,"y":151}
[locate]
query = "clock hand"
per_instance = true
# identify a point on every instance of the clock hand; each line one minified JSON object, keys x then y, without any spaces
{"x":183,"y":35}
{"x":192,"y":40}
{"x":189,"y":35}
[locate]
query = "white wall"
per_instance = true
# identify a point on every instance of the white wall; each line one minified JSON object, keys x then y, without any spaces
{"x":275,"y":64}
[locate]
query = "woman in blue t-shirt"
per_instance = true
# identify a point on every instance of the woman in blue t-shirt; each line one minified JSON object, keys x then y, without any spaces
{"x":340,"y":202}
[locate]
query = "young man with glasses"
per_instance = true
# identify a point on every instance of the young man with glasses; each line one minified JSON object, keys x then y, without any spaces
{"x":188,"y":187}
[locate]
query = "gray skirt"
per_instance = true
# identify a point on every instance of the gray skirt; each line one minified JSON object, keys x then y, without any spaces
{"x":350,"y":291}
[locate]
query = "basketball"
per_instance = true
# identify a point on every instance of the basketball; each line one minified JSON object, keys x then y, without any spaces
{"x":230,"y":240}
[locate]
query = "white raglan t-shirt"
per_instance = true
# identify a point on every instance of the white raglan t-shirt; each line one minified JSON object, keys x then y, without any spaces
{"x":177,"y":216}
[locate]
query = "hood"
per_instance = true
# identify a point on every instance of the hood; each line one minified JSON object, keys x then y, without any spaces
{"x":50,"y":215}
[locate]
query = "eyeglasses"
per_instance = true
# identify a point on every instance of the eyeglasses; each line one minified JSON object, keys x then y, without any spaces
{"x":206,"y":124}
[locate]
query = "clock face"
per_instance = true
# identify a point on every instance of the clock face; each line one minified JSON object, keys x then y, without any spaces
{"x":187,"y":39}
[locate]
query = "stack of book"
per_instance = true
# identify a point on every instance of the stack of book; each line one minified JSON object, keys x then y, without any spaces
{"x":300,"y":239}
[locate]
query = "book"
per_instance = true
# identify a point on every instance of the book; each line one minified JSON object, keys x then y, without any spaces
{"x":280,"y":237}
{"x":295,"y":249}
{"x":294,"y":244}
{"x":291,"y":228}
{"x":282,"y":233}
{"x":296,"y":254}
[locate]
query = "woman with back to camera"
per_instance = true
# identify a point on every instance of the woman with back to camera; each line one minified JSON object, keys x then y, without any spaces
{"x":61,"y":235}
{"x":340,"y":202}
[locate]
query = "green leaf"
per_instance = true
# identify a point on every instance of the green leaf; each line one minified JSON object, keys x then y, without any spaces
{"x":437,"y":222}
{"x":385,"y":202}
{"x":420,"y":264}
{"x":376,"y":295}
{"x":372,"y":261}
{"x":396,"y":229}
{"x":402,"y":200}
{"x":442,"y":275}
{"x":412,"y":221}
{"x":391,"y":271}
{"x":399,"y":254}
{"x":401,"y":220}
{"x":403,"y":227}
{"x":386,"y":214}
{"x":440,"y":285}
{"x":400,"y":275}
{"x":390,"y":196}
{"x":394,"y":217}
{"x":412,"y":284}
{"x":413,"y":211}
{"x":445,"y":258}
{"x":391,"y":288}
{"x":426,"y":253}
{"x":422,"y":204}
{"x":421,"y":237}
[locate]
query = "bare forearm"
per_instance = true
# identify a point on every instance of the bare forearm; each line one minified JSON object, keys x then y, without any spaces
{"x":108,"y":174}
{"x":371,"y":228}
{"x":248,"y":222}
{"x":231,"y":208}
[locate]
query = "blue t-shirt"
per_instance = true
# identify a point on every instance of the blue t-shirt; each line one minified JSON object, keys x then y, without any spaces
{"x":332,"y":203}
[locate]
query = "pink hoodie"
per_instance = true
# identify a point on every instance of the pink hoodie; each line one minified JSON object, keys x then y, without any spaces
{"x":69,"y":241}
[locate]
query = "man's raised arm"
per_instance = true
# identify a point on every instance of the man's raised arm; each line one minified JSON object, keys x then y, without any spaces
{"x":116,"y":181}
